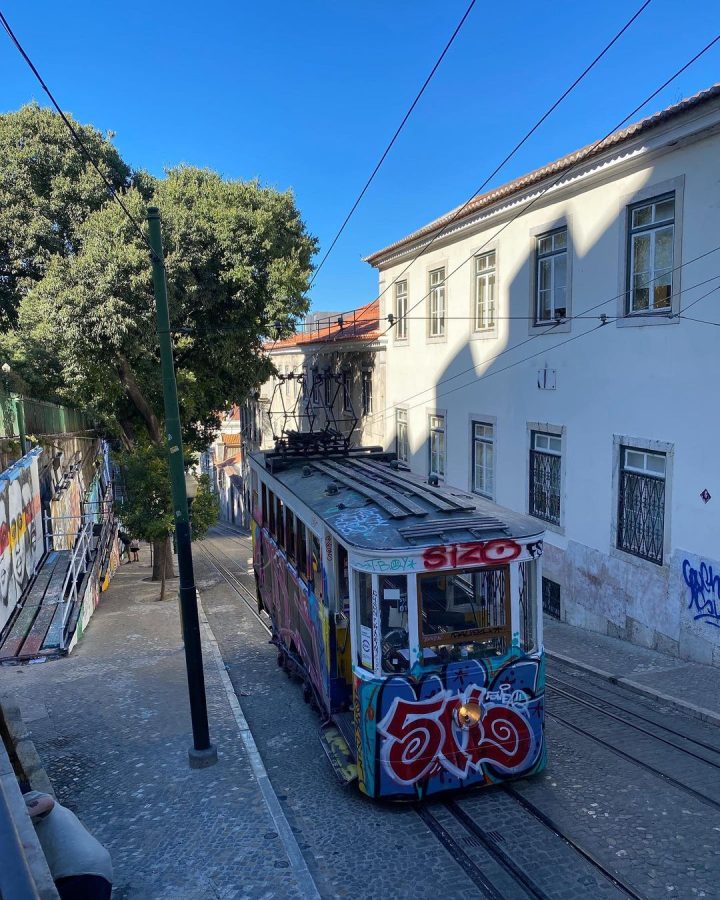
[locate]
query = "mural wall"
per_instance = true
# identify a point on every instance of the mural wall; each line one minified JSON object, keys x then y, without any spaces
{"x":21,"y":541}
{"x":66,"y":508}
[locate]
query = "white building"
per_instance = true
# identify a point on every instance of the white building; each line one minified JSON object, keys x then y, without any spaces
{"x":502,"y":377}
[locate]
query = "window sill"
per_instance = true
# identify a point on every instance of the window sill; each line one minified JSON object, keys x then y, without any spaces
{"x":486,"y":334}
{"x":562,"y":327}
{"x":638,"y":561}
{"x":548,"y":526}
{"x":436,"y":339}
{"x":634,"y":320}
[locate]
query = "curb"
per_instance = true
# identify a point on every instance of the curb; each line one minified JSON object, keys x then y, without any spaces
{"x":697,"y":712}
{"x":21,"y":747}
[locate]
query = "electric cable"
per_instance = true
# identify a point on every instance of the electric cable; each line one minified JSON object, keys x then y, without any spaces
{"x":564,"y":174}
{"x":395,"y":137}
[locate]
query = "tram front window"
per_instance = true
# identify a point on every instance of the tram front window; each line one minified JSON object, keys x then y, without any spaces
{"x":464,"y":613}
{"x":394,"y":623}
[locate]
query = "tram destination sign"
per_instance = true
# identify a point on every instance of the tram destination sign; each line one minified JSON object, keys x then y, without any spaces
{"x":449,"y":556}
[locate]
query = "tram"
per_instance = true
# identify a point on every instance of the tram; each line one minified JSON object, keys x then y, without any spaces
{"x":412,"y":613}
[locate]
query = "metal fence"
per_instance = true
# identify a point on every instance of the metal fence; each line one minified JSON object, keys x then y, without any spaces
{"x":20,"y":416}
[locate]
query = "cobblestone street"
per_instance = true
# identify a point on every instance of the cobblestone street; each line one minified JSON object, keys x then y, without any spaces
{"x":112,"y":726}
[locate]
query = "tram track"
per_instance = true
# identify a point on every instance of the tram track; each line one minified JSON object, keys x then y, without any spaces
{"x":600,"y":705}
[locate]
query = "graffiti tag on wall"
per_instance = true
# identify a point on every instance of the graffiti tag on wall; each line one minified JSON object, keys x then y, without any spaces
{"x":21,"y":538}
{"x":704,"y":587}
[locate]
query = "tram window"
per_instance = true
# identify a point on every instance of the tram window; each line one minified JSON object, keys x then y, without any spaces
{"x":394,"y":623}
{"x":280,"y":522}
{"x":271,"y":511}
{"x":290,"y":534}
{"x":301,"y":537}
{"x":528,"y":605}
{"x":464,"y":613}
{"x":264,"y":518}
{"x":317,"y":578}
{"x":365,"y":644}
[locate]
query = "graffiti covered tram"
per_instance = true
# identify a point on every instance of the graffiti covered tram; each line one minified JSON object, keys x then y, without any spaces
{"x":412,"y":612}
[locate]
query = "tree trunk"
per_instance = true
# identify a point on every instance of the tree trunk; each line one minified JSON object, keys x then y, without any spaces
{"x":162,"y":560}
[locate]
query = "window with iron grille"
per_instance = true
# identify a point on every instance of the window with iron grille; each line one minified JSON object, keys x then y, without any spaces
{"x":483,"y":458}
{"x":551,"y":276}
{"x":328,"y":389}
{"x":641,"y":503}
{"x":436,"y":308}
{"x":346,"y":404}
{"x":401,"y":298}
{"x":437,"y":446}
{"x":401,"y":435}
{"x":551,"y":597}
{"x":484,"y":291}
{"x":651,"y":236}
{"x":545,"y":464}
{"x":367,"y":393}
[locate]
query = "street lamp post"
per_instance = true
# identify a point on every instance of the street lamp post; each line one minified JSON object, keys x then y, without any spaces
{"x":202,"y":753}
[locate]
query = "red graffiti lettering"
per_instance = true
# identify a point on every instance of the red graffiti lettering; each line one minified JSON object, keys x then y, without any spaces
{"x":422,"y":737}
{"x":459,"y":555}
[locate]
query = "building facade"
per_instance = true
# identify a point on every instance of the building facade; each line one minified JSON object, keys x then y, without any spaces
{"x":550,"y":351}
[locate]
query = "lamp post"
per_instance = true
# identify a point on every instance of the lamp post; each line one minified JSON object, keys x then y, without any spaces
{"x":202,"y":753}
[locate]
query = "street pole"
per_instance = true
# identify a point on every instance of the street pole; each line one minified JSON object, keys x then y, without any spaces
{"x":202,"y":753}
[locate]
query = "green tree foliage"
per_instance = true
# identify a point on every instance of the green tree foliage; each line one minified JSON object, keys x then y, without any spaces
{"x":205,"y":509}
{"x":47,"y":191}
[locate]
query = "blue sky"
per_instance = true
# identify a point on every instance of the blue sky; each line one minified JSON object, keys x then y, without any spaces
{"x":306,"y":95}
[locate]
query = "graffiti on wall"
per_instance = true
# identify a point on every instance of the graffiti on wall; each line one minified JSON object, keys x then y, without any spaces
{"x":471,"y":723}
{"x":484,"y":553}
{"x":704,"y":592}
{"x":21,"y":535}
{"x":65,"y":510}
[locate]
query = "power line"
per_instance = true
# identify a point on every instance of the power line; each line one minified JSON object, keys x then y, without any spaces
{"x":394,"y":138}
{"x":73,"y":131}
{"x":562,"y":175}
{"x":551,"y":330}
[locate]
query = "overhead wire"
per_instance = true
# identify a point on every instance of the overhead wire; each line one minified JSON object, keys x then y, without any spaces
{"x":395,"y":137}
{"x":564,"y":174}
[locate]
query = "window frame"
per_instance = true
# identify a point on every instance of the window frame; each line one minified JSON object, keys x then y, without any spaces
{"x":553,"y":255}
{"x":366,"y":386}
{"x":556,"y":431}
{"x":398,"y":443}
{"x":437,"y":430}
{"x":488,"y":423}
{"x":652,"y":229}
{"x":491,"y":328}
{"x":431,"y":291}
{"x":642,"y":445}
{"x":625,"y":204}
{"x":401,"y":321}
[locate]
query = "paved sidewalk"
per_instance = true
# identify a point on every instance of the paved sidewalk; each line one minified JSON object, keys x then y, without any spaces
{"x":691,"y":687}
{"x":112,"y":726}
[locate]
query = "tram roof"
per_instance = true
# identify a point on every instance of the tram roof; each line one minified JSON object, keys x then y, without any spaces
{"x":379,"y":506}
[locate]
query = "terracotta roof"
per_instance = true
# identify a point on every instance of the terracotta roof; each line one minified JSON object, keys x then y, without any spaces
{"x":554,"y":168}
{"x":359,"y":325}
{"x":232,"y":439}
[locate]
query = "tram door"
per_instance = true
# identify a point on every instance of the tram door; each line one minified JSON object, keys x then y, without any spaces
{"x":342,"y":614}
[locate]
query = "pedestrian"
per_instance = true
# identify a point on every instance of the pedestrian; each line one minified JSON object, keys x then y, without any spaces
{"x":135,"y":549}
{"x":79,"y":864}
{"x":125,"y":541}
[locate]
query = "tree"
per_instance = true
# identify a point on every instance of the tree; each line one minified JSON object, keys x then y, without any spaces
{"x":237,"y":257}
{"x":47,"y":190}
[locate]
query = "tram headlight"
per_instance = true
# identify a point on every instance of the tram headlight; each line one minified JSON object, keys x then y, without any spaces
{"x":469,"y":714}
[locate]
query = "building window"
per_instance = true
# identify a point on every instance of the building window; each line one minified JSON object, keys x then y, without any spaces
{"x":401,"y":299}
{"x":484,"y":314}
{"x":287,"y":381}
{"x":650,"y":255}
{"x":315,"y":387}
{"x":401,"y":435}
{"x":551,"y":598}
{"x":483,"y":458}
{"x":641,"y":503}
{"x":436,"y":319}
{"x":367,"y":394}
{"x":437,"y":446}
{"x":328,"y":386}
{"x":346,"y":402}
{"x":545,"y":460}
{"x":551,"y":277}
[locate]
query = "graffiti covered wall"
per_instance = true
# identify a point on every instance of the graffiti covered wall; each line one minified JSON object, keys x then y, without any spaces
{"x":66,"y":508}
{"x":21,"y":536}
